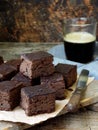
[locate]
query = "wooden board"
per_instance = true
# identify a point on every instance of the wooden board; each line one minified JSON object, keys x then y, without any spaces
{"x":90,"y":97}
{"x":94,"y":107}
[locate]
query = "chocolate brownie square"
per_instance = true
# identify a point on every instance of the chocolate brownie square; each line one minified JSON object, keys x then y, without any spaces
{"x":69,"y":72}
{"x":15,"y":63}
{"x":37,"y":99}
{"x":37,"y":64}
{"x":23,"y":79}
{"x":55,"y":82}
{"x":7,"y":71}
{"x":9,"y":95}
{"x":1,"y":60}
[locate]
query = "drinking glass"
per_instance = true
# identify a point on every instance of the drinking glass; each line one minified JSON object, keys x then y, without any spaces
{"x":79,"y":35}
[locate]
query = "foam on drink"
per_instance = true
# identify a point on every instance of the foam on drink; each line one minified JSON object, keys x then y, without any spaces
{"x":79,"y":37}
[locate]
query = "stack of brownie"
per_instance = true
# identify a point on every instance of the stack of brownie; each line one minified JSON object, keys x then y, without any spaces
{"x":34,"y":82}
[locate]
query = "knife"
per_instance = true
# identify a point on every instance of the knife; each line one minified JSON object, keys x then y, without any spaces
{"x":74,"y":101}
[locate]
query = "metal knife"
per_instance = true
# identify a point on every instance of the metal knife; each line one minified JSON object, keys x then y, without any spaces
{"x":74,"y":101}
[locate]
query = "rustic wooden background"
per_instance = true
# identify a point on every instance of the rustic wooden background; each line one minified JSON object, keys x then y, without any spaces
{"x":39,"y":20}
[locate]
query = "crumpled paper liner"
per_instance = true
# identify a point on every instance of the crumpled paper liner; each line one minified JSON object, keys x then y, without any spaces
{"x":18,"y":114}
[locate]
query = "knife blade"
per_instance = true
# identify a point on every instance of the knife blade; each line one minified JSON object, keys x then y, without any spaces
{"x":81,"y":86}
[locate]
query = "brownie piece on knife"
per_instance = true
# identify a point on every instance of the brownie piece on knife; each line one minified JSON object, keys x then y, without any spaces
{"x":37,"y":64}
{"x":56,"y":82}
{"x":37,"y":99}
{"x":9,"y":95}
{"x":69,"y":72}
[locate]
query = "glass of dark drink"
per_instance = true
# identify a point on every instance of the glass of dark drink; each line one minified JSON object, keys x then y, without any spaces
{"x":79,"y":39}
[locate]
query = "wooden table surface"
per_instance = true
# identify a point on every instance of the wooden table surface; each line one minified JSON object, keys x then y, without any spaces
{"x":84,"y":119}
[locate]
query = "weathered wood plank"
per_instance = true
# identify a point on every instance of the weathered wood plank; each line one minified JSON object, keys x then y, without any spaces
{"x":38,"y":20}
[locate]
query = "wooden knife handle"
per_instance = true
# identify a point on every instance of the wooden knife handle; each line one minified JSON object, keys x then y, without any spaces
{"x":74,"y":102}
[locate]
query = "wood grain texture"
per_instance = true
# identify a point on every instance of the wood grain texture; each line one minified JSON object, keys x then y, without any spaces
{"x":38,"y":20}
{"x":82,"y":120}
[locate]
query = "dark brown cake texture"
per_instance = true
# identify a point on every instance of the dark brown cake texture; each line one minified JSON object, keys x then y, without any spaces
{"x":7,"y":71}
{"x":69,"y":72}
{"x":23,"y":79}
{"x":1,"y":60}
{"x":9,"y":95}
{"x":37,"y":99}
{"x":55,"y":82}
{"x":37,"y":64}
{"x":15,"y":63}
{"x":19,"y":77}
